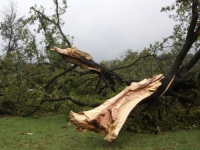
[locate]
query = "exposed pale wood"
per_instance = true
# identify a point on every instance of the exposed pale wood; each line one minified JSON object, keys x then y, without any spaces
{"x":108,"y":118}
{"x":80,"y":58}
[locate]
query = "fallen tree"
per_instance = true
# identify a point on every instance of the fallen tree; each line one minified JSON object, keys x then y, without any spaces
{"x":179,"y":84}
{"x":108,"y":118}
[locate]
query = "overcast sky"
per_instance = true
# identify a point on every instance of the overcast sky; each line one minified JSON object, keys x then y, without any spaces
{"x":107,"y":28}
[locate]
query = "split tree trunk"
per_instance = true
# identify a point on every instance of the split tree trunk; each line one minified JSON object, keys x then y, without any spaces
{"x":108,"y":118}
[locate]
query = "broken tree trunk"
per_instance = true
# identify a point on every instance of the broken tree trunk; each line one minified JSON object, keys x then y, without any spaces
{"x":80,"y":58}
{"x":85,"y":61}
{"x":108,"y":118}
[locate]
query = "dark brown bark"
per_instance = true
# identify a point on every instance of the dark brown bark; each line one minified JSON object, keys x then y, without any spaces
{"x":184,"y":69}
{"x":75,"y":101}
{"x":59,"y":75}
{"x":191,"y":37}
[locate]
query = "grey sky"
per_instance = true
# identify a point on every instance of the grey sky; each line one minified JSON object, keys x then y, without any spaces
{"x":106,"y":28}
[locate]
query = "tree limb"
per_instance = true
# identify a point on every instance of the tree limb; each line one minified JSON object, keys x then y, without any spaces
{"x":59,"y":75}
{"x":183,"y":98}
{"x":55,"y":23}
{"x":187,"y":45}
{"x":62,"y":99}
{"x":193,"y":21}
{"x":58,"y":24}
{"x":184,"y":69}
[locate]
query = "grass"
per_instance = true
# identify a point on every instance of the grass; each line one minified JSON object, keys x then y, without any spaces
{"x":54,"y":133}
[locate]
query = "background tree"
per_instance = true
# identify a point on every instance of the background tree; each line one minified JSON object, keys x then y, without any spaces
{"x":53,"y":80}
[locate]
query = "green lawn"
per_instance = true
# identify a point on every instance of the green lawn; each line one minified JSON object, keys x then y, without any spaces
{"x":54,"y":133}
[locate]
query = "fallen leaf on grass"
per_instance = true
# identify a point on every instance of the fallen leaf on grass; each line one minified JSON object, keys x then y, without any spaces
{"x":29,"y":133}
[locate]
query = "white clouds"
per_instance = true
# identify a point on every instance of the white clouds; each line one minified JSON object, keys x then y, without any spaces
{"x":105,"y":28}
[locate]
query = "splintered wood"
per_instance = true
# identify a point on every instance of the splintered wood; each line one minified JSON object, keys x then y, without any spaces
{"x":80,"y":58}
{"x":108,"y":118}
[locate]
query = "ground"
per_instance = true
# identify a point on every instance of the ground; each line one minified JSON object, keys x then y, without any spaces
{"x":53,"y":132}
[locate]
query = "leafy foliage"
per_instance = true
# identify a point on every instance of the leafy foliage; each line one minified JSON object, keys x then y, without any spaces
{"x":32,"y":76}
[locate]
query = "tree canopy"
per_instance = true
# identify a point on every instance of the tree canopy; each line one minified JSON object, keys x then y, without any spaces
{"x":34,"y":77}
